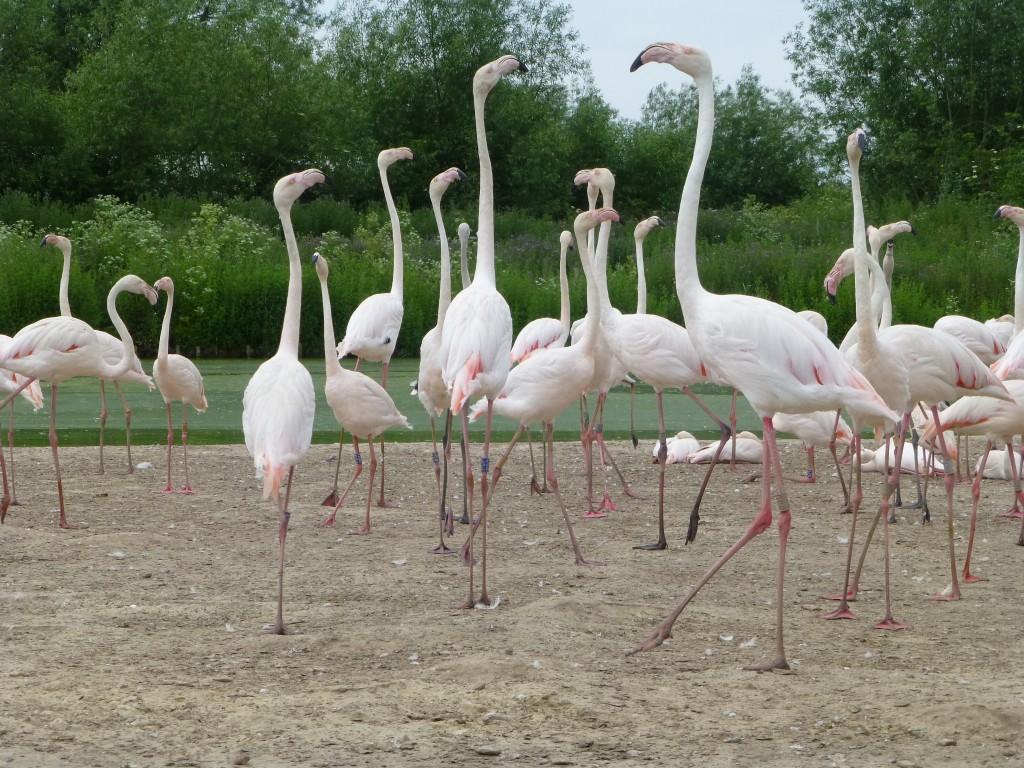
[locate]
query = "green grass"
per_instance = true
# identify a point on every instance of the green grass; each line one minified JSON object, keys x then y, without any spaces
{"x":79,"y":409}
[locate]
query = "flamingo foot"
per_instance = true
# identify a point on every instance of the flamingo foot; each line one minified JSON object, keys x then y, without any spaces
{"x":850,"y":596}
{"x":73,"y":526}
{"x":842,"y":612}
{"x":277,"y":629}
{"x":1014,"y":513}
{"x":361,"y":531}
{"x":582,"y":561}
{"x":384,"y":504}
{"x":167,"y":490}
{"x":607,"y":504}
{"x":779,"y":662}
{"x":630,"y":492}
{"x":890,"y":624}
{"x":945,"y":598}
{"x":661,"y":634}
{"x":332,"y":499}
{"x":485,"y":602}
{"x":14,"y":503}
{"x":327,"y":522}
{"x":464,"y":519}
{"x":535,"y":486}
{"x":594,"y":514}
{"x":657,"y":546}
{"x":441,"y":549}
{"x":464,"y":556}
{"x":971,"y":578}
{"x":186,"y":489}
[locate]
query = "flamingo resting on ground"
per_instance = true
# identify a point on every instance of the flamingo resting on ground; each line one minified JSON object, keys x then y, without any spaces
{"x":177,"y":378}
{"x":279,"y":402}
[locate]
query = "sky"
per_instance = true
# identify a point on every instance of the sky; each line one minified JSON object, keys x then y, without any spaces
{"x":733,"y":32}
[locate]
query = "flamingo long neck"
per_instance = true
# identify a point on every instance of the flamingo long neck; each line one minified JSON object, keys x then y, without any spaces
{"x":293,"y":306}
{"x":601,"y":255}
{"x":867,"y":331}
{"x":464,"y":258}
{"x":398,"y":273}
{"x":688,"y":286}
{"x":881,"y":299}
{"x":641,"y":280}
{"x":485,"y":218}
{"x":330,"y":348}
{"x":565,"y":317}
{"x":445,"y":293}
{"x":128,"y":355}
{"x":65,"y":280}
{"x":888,"y":264}
{"x":593,"y":317}
{"x":165,"y":327}
{"x":1018,"y":289}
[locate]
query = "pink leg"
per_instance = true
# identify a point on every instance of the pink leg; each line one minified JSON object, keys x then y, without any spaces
{"x":6,"y":497}
{"x":329,"y":520}
{"x":969,"y":577}
{"x":381,"y":501}
{"x":549,"y":472}
{"x":56,"y":459}
{"x":948,"y":480}
{"x":843,"y":610}
{"x":466,"y":547}
{"x":892,"y":480}
{"x":282,"y":534}
{"x":444,"y":512}
{"x":186,"y":488}
{"x":365,"y":529}
{"x":127,"y":426}
{"x":332,"y":498}
{"x":10,"y":447}
{"x":662,"y":542}
{"x":170,"y":442}
{"x":606,"y":505}
{"x":103,"y":420}
{"x":835,"y":458}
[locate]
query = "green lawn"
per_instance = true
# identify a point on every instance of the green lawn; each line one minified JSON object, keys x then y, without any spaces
{"x":79,"y":408}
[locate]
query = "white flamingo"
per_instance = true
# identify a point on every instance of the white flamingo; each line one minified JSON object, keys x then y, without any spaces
{"x":776,"y":359}
{"x":360,"y":404}
{"x":112,"y":350}
{"x":1011,"y":364}
{"x":177,"y":378}
{"x":477,"y":335}
{"x":55,"y":349}
{"x":747,"y":448}
{"x":677,"y":448}
{"x":12,"y":382}
{"x":279,"y":402}
{"x":372,"y":329}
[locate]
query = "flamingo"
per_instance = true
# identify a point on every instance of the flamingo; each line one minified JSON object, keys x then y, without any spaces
{"x":372,"y":330}
{"x":776,"y":359}
{"x":430,"y":387}
{"x":112,"y":350}
{"x":360,"y":404}
{"x":745,"y":449}
{"x":882,"y":460}
{"x":12,"y":382}
{"x":477,"y":335}
{"x":998,"y":466}
{"x":1002,"y":328}
{"x":546,"y":333}
{"x":55,"y":349}
{"x":546,"y":383}
{"x":1011,"y":365}
{"x":177,"y":378}
{"x":677,"y":448}
{"x":279,"y":402}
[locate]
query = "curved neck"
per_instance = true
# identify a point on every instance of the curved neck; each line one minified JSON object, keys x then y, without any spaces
{"x":688,"y":285}
{"x":485,"y":217}
{"x":165,"y":327}
{"x":601,"y":255}
{"x":867,"y":331}
{"x":128,"y":356}
{"x":1018,"y":290}
{"x":445,"y":294}
{"x":641,"y":280}
{"x":398,"y":274}
{"x":330,"y":348}
{"x":293,"y":305}
{"x":881,"y":298}
{"x":65,"y":279}
{"x":565,"y":316}
{"x":593,"y":316}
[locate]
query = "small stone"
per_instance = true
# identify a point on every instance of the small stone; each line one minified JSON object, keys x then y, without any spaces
{"x":240,"y":759}
{"x":947,"y":743}
{"x":488,"y":751}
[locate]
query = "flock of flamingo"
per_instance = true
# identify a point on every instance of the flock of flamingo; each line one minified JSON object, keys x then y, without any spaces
{"x":781,"y":361}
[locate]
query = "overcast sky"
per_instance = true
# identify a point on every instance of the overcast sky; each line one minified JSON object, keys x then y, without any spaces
{"x":733,"y":32}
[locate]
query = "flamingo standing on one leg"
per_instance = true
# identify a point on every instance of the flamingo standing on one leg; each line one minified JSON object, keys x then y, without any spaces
{"x":360,"y":404}
{"x":430,"y":387}
{"x":477,"y":335}
{"x":372,"y":330}
{"x":55,"y":349}
{"x":177,"y":378}
{"x":111,"y":353}
{"x":279,"y":402}
{"x":12,"y":382}
{"x":776,"y":359}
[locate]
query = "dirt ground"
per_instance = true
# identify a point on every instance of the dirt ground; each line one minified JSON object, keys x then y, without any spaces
{"x":139,"y":640}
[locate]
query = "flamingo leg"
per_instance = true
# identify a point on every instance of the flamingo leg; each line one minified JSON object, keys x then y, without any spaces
{"x":103,"y":420}
{"x":186,"y":488}
{"x":10,"y":447}
{"x":381,"y":502}
{"x":661,"y":543}
{"x":278,"y":627}
{"x":444,"y":514}
{"x":332,"y":498}
{"x":632,"y":408}
{"x":948,"y":481}
{"x":484,"y":600}
{"x":975,"y":497}
{"x":1015,"y":472}
{"x":56,"y":458}
{"x":891,"y":481}
{"x":835,"y":458}
{"x":329,"y":520}
{"x":365,"y":529}
{"x":549,"y":471}
{"x":466,"y":547}
{"x":5,"y":499}
{"x":732,"y":425}
{"x":534,"y":485}
{"x":127,"y":425}
{"x":170,"y":442}
{"x":468,"y":559}
{"x":843,"y":610}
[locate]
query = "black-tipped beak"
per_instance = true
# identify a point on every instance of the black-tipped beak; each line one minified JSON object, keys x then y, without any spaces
{"x":660,"y":222}
{"x":316,"y":255}
{"x":462,"y":175}
{"x":999,"y":212}
{"x":637,"y":63}
{"x":43,"y":244}
{"x":831,"y":297}
{"x":523,"y":67}
{"x":913,"y":231}
{"x":862,"y":141}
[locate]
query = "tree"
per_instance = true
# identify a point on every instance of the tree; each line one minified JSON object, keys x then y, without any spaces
{"x":935,"y":81}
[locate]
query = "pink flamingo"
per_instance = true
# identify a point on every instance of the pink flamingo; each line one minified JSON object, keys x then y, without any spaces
{"x":548,"y":382}
{"x":477,"y":335}
{"x":55,"y":349}
{"x":372,"y":329}
{"x":360,"y":404}
{"x":1011,"y":365}
{"x":430,"y":387}
{"x":177,"y":378}
{"x":12,"y":382}
{"x":111,"y":353}
{"x":279,"y":402}
{"x":776,"y":359}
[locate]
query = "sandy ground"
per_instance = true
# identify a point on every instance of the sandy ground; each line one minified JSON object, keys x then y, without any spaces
{"x":139,"y":640}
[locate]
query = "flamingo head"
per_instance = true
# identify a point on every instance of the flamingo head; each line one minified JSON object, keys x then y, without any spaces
{"x":1011,"y":212}
{"x":588,"y":220}
{"x":464,"y":232}
{"x":688,"y":59}
{"x":856,"y":144}
{"x":565,"y":240}
{"x":323,"y":269}
{"x":164,"y":284}
{"x":135,"y":284}
{"x":439,"y":184}
{"x":58,"y":241}
{"x":288,"y":189}
{"x":886,"y":233}
{"x":842,"y":268}
{"x":389,"y":157}
{"x":597,"y":180}
{"x":645,"y":226}
{"x":489,"y":74}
